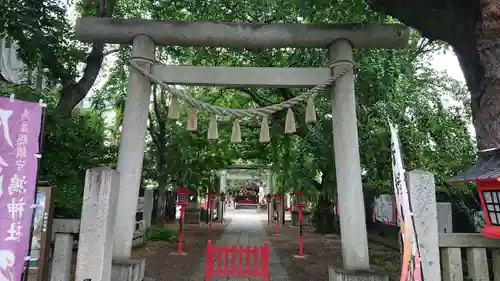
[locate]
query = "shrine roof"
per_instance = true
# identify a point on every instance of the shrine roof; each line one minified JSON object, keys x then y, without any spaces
{"x":487,"y":167}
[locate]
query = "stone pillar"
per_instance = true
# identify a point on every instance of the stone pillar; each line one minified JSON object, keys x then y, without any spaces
{"x":222,"y":188}
{"x":422,"y":192}
{"x":61,"y":262}
{"x":347,"y":163}
{"x":95,"y":244}
{"x":147,"y":210}
{"x":132,"y":142}
{"x":445,"y":219}
{"x":269,"y":180}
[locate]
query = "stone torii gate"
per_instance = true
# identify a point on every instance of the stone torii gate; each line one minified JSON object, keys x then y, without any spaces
{"x":262,"y":172}
{"x":340,"y":40}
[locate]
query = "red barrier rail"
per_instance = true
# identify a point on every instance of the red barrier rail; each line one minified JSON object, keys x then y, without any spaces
{"x":240,"y":258}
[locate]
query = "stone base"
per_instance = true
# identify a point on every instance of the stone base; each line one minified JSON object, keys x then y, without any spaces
{"x":192,"y":216}
{"x":374,"y":274}
{"x":128,"y":269}
{"x":178,"y":254}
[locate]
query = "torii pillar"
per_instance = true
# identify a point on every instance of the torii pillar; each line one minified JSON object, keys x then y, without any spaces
{"x":132,"y":144}
{"x":347,"y":162}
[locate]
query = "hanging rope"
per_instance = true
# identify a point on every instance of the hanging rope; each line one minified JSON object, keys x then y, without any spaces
{"x":262,"y":112}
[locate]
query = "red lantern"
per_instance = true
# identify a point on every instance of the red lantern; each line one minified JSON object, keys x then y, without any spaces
{"x":301,"y":202}
{"x":182,"y":195}
{"x":489,"y":193}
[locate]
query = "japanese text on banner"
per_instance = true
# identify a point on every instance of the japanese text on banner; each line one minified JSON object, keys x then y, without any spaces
{"x":20,"y":124}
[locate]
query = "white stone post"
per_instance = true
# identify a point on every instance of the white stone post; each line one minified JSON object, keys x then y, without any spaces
{"x":422,"y":192}
{"x":347,"y":163}
{"x":222,"y":188}
{"x":95,"y":244}
{"x":445,"y":218}
{"x":147,"y":210}
{"x":61,"y":262}
{"x":132,"y":142}
{"x":269,"y":178}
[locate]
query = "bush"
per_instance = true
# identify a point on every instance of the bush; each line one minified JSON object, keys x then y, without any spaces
{"x":162,"y":233}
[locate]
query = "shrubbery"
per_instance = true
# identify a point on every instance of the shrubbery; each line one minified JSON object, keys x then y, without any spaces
{"x":162,"y":233}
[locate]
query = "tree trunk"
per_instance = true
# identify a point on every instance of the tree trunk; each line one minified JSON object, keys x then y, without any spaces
{"x":485,"y":95}
{"x":282,"y":208}
{"x":162,"y":204}
{"x":171,"y":208}
{"x":324,"y":218}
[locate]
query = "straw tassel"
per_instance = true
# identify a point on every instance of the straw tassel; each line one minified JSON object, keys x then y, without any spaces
{"x":213,"y":131}
{"x":173,"y":109}
{"x":192,"y":124}
{"x":236,"y":133}
{"x":290,"y":127}
{"x":264,"y":130}
{"x":310,"y":111}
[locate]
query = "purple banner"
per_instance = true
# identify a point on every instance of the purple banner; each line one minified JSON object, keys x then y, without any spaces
{"x":19,"y":132}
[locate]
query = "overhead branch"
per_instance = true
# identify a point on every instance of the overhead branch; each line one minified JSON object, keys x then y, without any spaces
{"x":74,"y":92}
{"x":446,"y":20}
{"x":423,"y":47}
{"x":452,"y":21}
{"x":107,"y":53}
{"x":255,"y":97}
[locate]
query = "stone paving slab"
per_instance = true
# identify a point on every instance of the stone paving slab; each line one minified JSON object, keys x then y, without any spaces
{"x":246,"y":229}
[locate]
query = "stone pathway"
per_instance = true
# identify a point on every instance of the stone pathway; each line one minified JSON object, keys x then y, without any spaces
{"x":247,"y":229}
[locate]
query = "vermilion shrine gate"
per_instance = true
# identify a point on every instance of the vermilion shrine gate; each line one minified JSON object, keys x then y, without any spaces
{"x":340,"y":40}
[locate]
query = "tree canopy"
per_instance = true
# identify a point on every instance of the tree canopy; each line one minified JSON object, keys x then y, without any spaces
{"x":396,"y":85}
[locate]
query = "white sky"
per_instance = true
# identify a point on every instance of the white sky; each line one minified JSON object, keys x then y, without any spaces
{"x":448,"y":62}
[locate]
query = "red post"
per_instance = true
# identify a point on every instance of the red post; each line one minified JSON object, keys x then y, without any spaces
{"x":301,"y":238}
{"x":209,"y":263}
{"x":268,"y":215}
{"x":181,"y":229}
{"x":209,"y":213}
{"x":300,"y":204}
{"x":277,"y":197}
{"x":264,"y":259}
{"x":269,"y":201}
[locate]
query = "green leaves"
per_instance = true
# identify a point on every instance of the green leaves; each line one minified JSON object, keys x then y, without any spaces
{"x":70,"y":146}
{"x":395,"y":85}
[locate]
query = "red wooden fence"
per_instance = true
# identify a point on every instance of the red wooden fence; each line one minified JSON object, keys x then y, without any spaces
{"x":240,"y":260}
